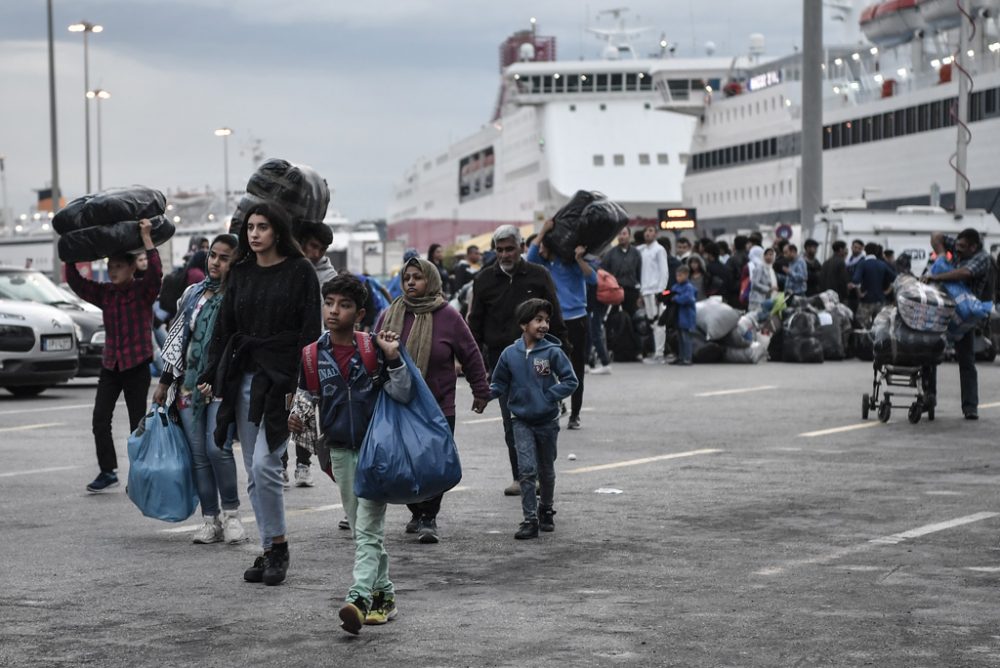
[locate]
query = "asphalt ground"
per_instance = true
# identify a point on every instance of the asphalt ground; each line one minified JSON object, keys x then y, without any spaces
{"x":754,"y":520}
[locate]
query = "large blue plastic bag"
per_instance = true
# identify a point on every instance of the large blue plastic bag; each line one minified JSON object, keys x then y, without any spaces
{"x":409,"y":454}
{"x":969,"y":309}
{"x":160,"y":476}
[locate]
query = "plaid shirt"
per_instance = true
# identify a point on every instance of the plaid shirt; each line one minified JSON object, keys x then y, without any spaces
{"x":797,"y":277}
{"x":128,"y":313}
{"x":979,"y":265}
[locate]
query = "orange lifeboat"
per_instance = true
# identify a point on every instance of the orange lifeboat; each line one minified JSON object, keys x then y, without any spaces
{"x":891,"y":23}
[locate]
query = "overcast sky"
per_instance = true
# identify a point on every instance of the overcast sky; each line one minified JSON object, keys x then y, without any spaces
{"x":357,"y":89}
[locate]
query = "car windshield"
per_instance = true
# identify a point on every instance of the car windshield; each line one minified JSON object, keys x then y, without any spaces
{"x":31,"y":286}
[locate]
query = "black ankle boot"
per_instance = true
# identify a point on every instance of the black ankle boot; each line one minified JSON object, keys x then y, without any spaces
{"x":277,"y":567}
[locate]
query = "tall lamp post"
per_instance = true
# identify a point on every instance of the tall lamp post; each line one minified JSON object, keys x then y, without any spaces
{"x":86,"y":28}
{"x":99,"y":94}
{"x":224,"y":133}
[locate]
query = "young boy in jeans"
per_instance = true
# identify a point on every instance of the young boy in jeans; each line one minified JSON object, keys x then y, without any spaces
{"x":127,"y":305}
{"x":534,"y":374}
{"x":350,"y":373}
{"x":685,"y":297}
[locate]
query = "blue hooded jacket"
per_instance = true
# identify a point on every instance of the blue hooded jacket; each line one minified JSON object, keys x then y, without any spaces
{"x":534,"y":381}
{"x":685,"y":296}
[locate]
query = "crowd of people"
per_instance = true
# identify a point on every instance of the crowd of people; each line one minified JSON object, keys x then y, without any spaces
{"x":521,"y":324}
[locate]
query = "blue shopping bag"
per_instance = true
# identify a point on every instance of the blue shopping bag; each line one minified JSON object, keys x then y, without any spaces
{"x":160,"y":475}
{"x":409,"y":454}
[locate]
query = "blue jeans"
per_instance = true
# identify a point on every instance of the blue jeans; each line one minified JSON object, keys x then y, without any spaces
{"x":597,"y":333}
{"x":263,"y":466}
{"x":214,"y":467}
{"x":684,"y":343}
{"x":536,"y":459}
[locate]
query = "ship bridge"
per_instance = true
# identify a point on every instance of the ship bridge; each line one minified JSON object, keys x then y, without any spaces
{"x":686,"y":85}
{"x":543,"y":82}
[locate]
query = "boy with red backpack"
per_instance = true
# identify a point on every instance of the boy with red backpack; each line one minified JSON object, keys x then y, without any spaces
{"x":344,"y":371}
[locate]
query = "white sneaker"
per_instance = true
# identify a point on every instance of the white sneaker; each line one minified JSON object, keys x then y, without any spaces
{"x":285,"y":482}
{"x":209,"y":532}
{"x":654,"y":360}
{"x":601,"y":370}
{"x":232,"y":528}
{"x":303,"y":476}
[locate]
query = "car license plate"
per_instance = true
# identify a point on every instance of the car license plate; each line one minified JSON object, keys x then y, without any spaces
{"x":56,"y":343}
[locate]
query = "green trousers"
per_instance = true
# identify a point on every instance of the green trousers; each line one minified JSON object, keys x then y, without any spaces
{"x":367,"y":518}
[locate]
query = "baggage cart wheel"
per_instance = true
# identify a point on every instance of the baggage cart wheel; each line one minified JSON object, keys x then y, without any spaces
{"x":913,"y":415}
{"x":866,"y":405}
{"x":884,"y":410}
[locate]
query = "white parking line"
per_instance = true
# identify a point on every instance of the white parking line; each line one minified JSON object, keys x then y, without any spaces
{"x":13,"y":474}
{"x":931,"y":528}
{"x":644,"y":460}
{"x":722,"y":393}
{"x":28,"y":427}
{"x":48,"y":409}
{"x":839,"y":430}
{"x":884,"y":540}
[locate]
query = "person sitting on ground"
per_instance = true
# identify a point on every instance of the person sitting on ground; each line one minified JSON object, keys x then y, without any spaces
{"x":350,"y":376}
{"x":685,"y":296}
{"x":127,"y":308}
{"x":534,"y":375}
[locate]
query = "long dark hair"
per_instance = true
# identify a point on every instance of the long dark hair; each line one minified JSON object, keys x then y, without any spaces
{"x":281,"y":224}
{"x":430,"y":253}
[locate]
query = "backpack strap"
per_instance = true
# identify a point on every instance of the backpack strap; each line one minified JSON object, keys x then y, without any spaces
{"x":367,"y":349}
{"x":310,"y":366}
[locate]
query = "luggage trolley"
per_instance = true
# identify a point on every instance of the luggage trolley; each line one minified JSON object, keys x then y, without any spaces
{"x":910,"y":375}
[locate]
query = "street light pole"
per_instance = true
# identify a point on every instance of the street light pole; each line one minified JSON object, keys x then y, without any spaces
{"x":224,"y":133}
{"x":5,"y":217}
{"x":53,"y":140}
{"x":99,"y":95}
{"x":86,"y":28}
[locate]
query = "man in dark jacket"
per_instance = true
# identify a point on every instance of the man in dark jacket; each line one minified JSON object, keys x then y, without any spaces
{"x":734,"y":269}
{"x":497,"y":291}
{"x":813,"y":266}
{"x":872,"y":278}
{"x":833,"y":275}
{"x":624,"y":262}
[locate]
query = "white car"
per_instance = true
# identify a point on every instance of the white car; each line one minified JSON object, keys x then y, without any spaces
{"x":38,"y":347}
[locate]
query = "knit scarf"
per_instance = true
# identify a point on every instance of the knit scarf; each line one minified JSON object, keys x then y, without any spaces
{"x":421,"y":338}
{"x":201,"y":338}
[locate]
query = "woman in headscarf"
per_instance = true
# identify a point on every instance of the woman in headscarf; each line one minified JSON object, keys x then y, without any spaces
{"x":436,"y":336}
{"x":763,"y":285}
{"x":185,"y":354}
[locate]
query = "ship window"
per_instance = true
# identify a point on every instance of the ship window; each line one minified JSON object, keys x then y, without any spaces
{"x":888,"y":125}
{"x":631,"y":81}
{"x":934,"y":116}
{"x":856,"y":131}
{"x":619,"y":159}
{"x":573,"y":83}
{"x":827,"y":132}
{"x":602,"y":82}
{"x":875,"y":123}
{"x":911,"y":120}
{"x":756,"y":150}
{"x":616,"y":81}
{"x":647,"y":105}
{"x":572,"y":107}
{"x":536,"y":84}
{"x":598,"y":160}
{"x":923,"y":123}
{"x":758,"y":192}
{"x":603,"y":107}
{"x":678,"y":88}
{"x":643,"y":158}
{"x":774,"y":146}
{"x":743,"y":153}
{"x":758,"y":106}
{"x":662,"y":159}
{"x":781,"y":187}
{"x":990,"y":102}
{"x":646,"y":83}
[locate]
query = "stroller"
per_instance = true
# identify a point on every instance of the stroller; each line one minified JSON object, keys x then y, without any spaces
{"x":904,"y":358}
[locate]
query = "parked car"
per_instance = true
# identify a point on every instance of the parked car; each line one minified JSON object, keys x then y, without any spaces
{"x":34,"y":286}
{"x":37,"y":347}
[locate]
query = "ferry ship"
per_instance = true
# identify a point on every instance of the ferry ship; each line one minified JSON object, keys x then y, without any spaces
{"x":558,"y":127}
{"x":889,"y":120}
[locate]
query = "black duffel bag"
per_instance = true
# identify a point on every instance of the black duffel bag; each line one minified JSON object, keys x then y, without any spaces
{"x":101,"y":241}
{"x":590,"y":220}
{"x":706,"y":352}
{"x":109,"y":207}
{"x":802,"y":349}
{"x":70,"y":217}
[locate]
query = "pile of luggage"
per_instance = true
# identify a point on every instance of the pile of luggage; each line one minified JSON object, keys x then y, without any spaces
{"x":812,"y":330}
{"x":97,"y":226}
{"x":912,"y":332}
{"x":723,"y":334}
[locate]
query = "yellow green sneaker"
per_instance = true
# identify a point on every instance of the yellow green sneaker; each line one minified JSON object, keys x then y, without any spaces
{"x":383,"y":609}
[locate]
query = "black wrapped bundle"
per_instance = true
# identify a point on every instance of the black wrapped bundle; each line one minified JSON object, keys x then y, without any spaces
{"x":109,"y":207}
{"x":298,"y":189}
{"x":706,"y":352}
{"x":589,"y":219}
{"x":801,"y":342}
{"x":101,"y":241}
